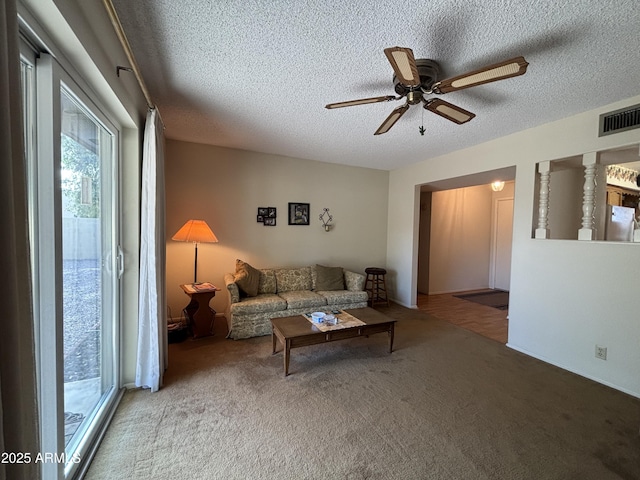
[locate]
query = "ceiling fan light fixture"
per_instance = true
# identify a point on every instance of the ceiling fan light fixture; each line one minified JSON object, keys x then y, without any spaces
{"x":414,"y":97}
{"x":413,"y":79}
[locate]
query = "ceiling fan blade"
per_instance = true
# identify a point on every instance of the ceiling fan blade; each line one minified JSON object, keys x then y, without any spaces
{"x":449,"y":111}
{"x":404,"y":65}
{"x":392,"y":119}
{"x":362,"y":101}
{"x":499,"y":71}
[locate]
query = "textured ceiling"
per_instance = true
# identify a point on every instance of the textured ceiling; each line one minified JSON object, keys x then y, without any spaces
{"x":256,"y":74}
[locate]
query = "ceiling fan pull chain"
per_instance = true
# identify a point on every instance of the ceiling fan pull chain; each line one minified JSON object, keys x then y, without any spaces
{"x":421,"y":129}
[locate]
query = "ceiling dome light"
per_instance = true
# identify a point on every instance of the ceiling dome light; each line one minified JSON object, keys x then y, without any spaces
{"x":497,"y":186}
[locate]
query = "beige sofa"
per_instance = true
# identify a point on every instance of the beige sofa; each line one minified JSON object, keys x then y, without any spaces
{"x":284,"y":292}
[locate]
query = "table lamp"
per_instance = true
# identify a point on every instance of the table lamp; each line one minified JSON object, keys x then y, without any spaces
{"x":196,"y":231}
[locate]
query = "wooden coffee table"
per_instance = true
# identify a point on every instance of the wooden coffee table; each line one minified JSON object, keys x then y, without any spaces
{"x":297,"y":331}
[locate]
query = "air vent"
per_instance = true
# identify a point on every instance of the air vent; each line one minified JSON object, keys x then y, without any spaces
{"x":620,"y":120}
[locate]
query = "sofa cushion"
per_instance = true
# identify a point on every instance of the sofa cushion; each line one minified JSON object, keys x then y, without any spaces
{"x":303,"y":299}
{"x":232,"y":288}
{"x":267,"y":281}
{"x":354,"y":281}
{"x":247,"y":278}
{"x":292,"y":279}
{"x":261,"y":303}
{"x":329,"y":278}
{"x":341,"y":297}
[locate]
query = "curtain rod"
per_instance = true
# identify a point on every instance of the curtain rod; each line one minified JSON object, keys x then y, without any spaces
{"x":117,"y":26}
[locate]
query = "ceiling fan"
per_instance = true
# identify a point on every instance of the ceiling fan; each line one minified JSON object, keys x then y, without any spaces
{"x":414,"y":79}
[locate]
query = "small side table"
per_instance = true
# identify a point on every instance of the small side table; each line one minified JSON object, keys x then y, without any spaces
{"x":199,"y":313}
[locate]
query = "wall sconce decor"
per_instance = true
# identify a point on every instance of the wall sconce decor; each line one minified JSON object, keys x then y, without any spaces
{"x":497,"y":186}
{"x":326,"y":218}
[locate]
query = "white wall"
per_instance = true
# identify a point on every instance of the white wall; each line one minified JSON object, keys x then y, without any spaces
{"x":566,"y":296}
{"x":460,"y":239}
{"x":565,"y":202}
{"x":225,"y":187}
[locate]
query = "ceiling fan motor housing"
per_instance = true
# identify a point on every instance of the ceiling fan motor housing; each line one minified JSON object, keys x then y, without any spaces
{"x":429,"y":72}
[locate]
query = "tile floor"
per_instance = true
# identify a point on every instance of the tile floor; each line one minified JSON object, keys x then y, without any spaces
{"x":487,"y":321}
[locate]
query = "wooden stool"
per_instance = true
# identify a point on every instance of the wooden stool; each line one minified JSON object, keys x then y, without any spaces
{"x":375,"y":285}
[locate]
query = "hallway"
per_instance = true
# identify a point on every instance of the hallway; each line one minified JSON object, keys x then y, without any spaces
{"x":486,"y":321}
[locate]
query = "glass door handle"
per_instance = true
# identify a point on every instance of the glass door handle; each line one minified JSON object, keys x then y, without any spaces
{"x":120,"y":260}
{"x":106,"y":264}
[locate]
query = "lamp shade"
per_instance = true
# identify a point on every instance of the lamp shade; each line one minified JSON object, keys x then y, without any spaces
{"x":196,"y":231}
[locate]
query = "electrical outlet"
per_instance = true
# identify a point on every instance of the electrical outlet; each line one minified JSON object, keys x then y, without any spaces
{"x":601,"y":352}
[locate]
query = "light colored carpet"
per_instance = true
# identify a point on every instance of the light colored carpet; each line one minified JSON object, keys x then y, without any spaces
{"x":446,"y":404}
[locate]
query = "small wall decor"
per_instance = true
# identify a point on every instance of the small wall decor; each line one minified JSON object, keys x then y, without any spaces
{"x":298,"y":214}
{"x":267,"y":216}
{"x":622,"y":173}
{"x":326,"y":218}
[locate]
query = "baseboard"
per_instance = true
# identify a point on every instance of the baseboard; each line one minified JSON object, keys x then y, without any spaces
{"x":180,"y":318}
{"x":406,"y":305}
{"x":582,"y":374}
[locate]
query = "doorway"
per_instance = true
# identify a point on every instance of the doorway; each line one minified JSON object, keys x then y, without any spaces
{"x":464,"y":245}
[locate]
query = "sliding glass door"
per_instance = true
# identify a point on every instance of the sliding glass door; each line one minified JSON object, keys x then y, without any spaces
{"x":88,"y":280}
{"x":72,"y":149}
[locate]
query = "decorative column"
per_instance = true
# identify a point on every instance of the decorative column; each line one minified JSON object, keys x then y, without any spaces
{"x":588,"y":231}
{"x":542,"y":231}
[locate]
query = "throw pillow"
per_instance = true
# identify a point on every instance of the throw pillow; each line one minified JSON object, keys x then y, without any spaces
{"x":247,"y":278}
{"x":329,"y":278}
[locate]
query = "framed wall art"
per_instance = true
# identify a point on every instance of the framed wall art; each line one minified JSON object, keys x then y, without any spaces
{"x":298,"y":213}
{"x":267,"y":213}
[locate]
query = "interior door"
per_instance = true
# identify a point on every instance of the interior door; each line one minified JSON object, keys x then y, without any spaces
{"x":503,"y":236}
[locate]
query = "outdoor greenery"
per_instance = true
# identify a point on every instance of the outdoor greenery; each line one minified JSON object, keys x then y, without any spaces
{"x":79,"y":162}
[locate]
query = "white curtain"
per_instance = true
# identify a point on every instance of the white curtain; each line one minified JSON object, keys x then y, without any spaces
{"x":18,"y":401}
{"x":152,"y":357}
